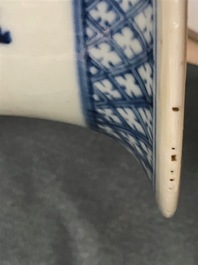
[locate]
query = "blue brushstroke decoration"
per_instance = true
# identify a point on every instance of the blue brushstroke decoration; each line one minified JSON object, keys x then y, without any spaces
{"x":5,"y":37}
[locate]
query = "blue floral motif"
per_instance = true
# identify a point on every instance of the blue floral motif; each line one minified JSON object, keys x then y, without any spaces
{"x":116,"y":72}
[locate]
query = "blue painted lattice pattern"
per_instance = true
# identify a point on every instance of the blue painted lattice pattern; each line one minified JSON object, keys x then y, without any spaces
{"x":117,"y":65}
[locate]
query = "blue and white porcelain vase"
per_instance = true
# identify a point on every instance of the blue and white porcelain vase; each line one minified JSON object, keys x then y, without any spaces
{"x":116,"y":66}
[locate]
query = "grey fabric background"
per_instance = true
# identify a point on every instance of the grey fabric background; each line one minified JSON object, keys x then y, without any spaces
{"x":69,"y":196}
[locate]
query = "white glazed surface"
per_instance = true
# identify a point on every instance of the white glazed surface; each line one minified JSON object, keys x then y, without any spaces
{"x":38,"y":76}
{"x":42,"y":51}
{"x":172,"y":25}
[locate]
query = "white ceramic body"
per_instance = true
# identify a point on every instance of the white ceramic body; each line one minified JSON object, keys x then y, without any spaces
{"x":38,"y":70}
{"x":39,"y":76}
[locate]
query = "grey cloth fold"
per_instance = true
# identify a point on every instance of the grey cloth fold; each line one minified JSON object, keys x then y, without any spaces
{"x":69,"y":196}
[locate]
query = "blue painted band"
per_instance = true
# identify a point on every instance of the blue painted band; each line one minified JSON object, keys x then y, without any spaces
{"x":116,"y":53}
